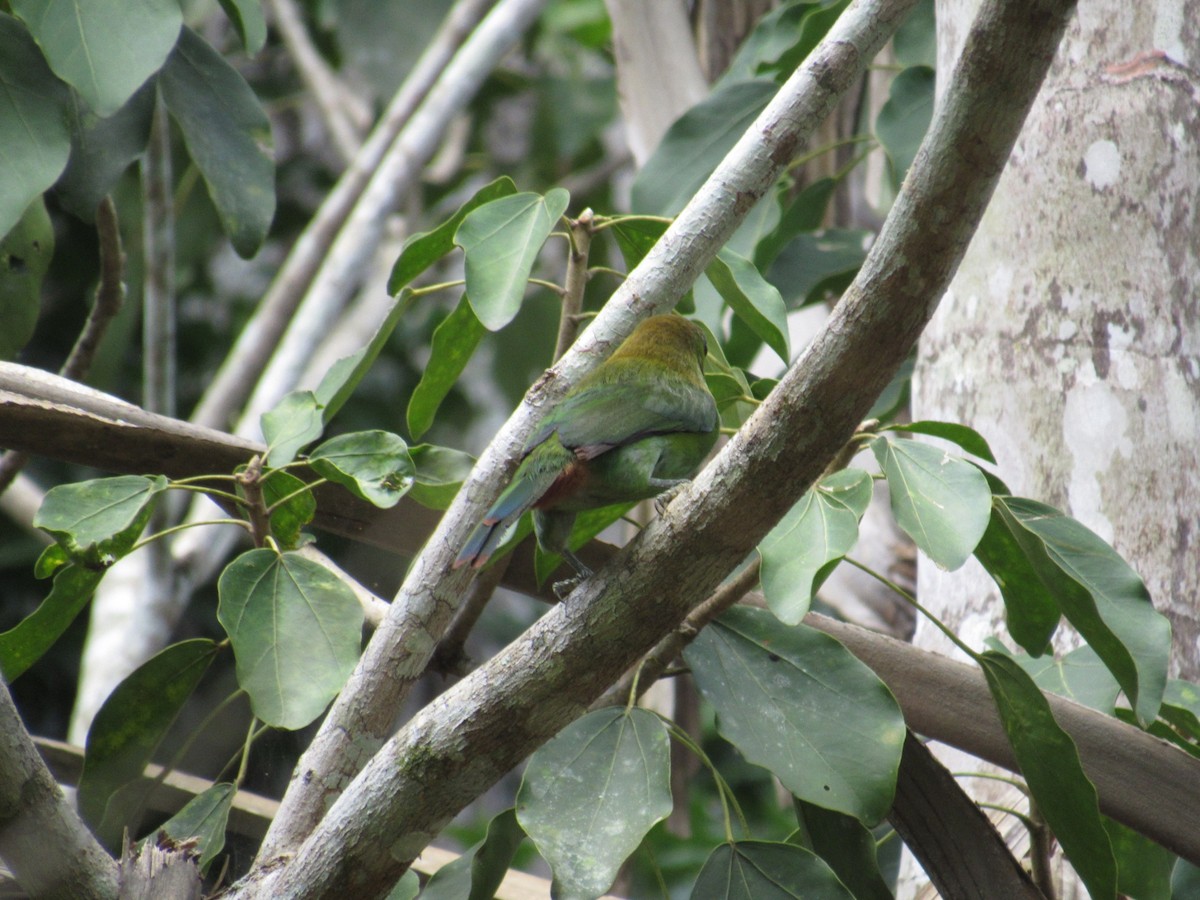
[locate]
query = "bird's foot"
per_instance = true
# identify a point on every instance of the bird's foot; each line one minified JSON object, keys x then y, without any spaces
{"x":562,"y":589}
{"x":663,"y":500}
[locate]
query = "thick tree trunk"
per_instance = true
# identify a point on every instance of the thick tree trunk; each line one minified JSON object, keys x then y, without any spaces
{"x":1070,"y":336}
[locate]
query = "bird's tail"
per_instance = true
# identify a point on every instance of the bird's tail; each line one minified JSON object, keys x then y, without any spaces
{"x":489,"y":534}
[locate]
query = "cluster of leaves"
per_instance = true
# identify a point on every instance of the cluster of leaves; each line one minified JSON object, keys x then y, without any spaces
{"x":792,"y":700}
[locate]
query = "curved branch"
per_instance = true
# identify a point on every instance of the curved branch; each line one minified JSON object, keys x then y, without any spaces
{"x":467,"y":738}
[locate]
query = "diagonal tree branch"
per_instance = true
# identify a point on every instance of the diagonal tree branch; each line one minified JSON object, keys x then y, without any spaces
{"x":362,"y":716}
{"x":467,"y":738}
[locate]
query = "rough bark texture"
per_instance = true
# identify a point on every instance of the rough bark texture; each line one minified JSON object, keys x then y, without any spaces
{"x":463,"y":741}
{"x":1070,"y":336}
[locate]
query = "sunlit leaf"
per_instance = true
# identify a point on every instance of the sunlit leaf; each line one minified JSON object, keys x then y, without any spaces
{"x":817,"y":531}
{"x":374,"y":465}
{"x":98,"y":521}
{"x":502,"y":240}
{"x":292,"y":424}
{"x":941,"y":501}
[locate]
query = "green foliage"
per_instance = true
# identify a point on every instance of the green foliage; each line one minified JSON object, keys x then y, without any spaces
{"x":477,"y":874}
{"x":127,"y":729}
{"x":25,"y":254}
{"x":589,"y":796}
{"x":295,"y":630}
{"x":374,"y":465}
{"x":33,"y":125}
{"x":97,"y":522}
{"x":817,"y":532}
{"x":1050,"y":765}
{"x":760,"y":870}
{"x":105,"y":49}
{"x":454,"y":341}
{"x":203,"y":819}
{"x":796,"y":702}
{"x":227,"y":135}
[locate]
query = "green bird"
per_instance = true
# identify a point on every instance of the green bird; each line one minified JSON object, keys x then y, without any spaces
{"x":637,"y":425}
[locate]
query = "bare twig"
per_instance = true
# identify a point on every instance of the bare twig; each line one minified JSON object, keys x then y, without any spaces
{"x":346,"y":117}
{"x":244,"y":364}
{"x":576,"y":281}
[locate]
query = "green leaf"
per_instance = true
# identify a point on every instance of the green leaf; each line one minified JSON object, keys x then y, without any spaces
{"x":440,"y":472}
{"x":247,"y":17}
{"x":339,"y":382}
{"x":796,"y":702}
{"x":502,"y":240}
{"x":373,"y":465}
{"x":1181,"y":707}
{"x":97,"y":522}
{"x":102,"y":149}
{"x":817,"y":531}
{"x":25,"y":643}
{"x":227,"y":135}
{"x":1031,"y":609}
{"x":1143,"y":867}
{"x":203,"y":818}
{"x":454,"y":342}
{"x":775,"y":33}
{"x":105,"y":49}
{"x":476,"y":875}
{"x":295,"y":422}
{"x":289,"y":517}
{"x":905,"y":117}
{"x":406,"y":888}
{"x":590,"y":795}
{"x":295,"y":630}
{"x":941,"y":501}
{"x":966,"y":437}
{"x":1049,"y":761}
{"x":635,"y":236}
{"x":813,"y":28}
{"x":50,"y":561}
{"x":1100,"y":595}
{"x":1079,"y":675}
{"x":758,"y":870}
{"x":915,"y":41}
{"x":25,"y":254}
{"x":752,"y":298}
{"x":804,"y":214}
{"x":815,"y":264}
{"x":33,"y":123}
{"x":848,"y":847}
{"x":422,"y":250}
{"x":695,"y":144}
{"x":129,"y":727}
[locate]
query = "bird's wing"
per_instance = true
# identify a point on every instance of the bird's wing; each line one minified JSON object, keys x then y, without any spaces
{"x":607,"y":414}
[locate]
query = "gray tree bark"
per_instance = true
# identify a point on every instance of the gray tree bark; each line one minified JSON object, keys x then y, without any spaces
{"x":1069,"y":336}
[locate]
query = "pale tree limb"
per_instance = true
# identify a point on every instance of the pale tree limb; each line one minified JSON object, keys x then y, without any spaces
{"x":361,"y":717}
{"x":466,"y":739}
{"x":345,"y":115}
{"x":658,"y":70}
{"x":42,"y":839}
{"x":244,"y":364}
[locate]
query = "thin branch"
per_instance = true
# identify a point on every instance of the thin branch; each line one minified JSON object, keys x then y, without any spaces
{"x":362,"y":716}
{"x":575,"y":282}
{"x":244,"y":364}
{"x":43,"y":840}
{"x":345,"y":116}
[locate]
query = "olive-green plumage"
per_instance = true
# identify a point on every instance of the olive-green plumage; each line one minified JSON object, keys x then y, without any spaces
{"x":637,"y":425}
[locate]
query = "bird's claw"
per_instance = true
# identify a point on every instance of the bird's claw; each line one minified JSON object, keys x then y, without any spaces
{"x":663,"y":500}
{"x":562,"y":589}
